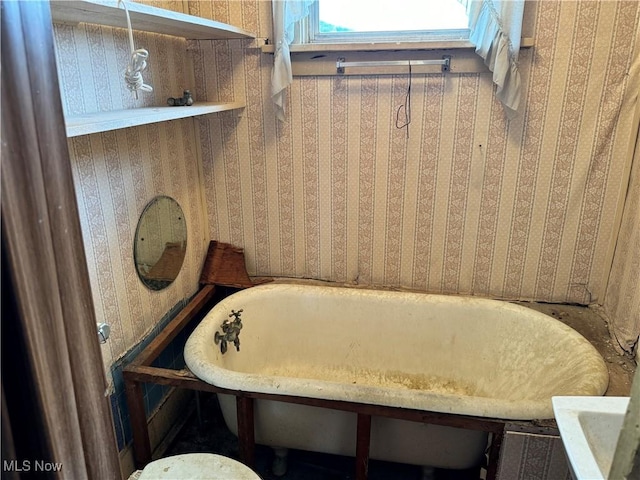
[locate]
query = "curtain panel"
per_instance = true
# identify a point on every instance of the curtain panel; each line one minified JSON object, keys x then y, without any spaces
{"x":285,"y":15}
{"x":496,"y":27}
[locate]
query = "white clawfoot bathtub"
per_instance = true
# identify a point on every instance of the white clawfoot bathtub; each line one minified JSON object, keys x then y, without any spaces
{"x":448,"y":354}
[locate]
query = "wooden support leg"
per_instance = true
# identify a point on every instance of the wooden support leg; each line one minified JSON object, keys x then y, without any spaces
{"x":363,"y":442}
{"x":139,"y":429}
{"x":246,"y":434}
{"x":494,"y":455}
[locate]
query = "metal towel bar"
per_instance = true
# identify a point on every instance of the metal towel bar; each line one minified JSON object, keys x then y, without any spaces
{"x":445,"y":62}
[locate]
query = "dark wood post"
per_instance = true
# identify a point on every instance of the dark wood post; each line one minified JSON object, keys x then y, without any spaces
{"x":363,"y":441}
{"x":246,"y":433}
{"x":138,"y":418}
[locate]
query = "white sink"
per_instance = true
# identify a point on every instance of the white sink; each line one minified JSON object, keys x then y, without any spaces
{"x":590,"y":427}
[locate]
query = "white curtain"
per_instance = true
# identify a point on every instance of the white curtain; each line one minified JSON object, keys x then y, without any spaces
{"x":285,"y":14}
{"x":496,"y":27}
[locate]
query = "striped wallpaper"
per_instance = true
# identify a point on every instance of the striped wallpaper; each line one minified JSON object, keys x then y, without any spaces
{"x":622,"y":303}
{"x":467,"y":203}
{"x":117,"y":173}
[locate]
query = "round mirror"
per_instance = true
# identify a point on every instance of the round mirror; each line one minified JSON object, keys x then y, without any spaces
{"x":160,"y":243}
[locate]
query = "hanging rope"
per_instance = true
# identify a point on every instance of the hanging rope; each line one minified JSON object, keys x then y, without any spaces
{"x":137,"y":63}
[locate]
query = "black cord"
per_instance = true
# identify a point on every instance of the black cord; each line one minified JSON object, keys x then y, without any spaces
{"x":406,"y":106}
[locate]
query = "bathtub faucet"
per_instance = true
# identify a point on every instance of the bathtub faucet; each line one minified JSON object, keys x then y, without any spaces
{"x":230,"y":332}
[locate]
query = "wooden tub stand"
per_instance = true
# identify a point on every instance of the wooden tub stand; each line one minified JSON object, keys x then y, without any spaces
{"x":140,"y":371}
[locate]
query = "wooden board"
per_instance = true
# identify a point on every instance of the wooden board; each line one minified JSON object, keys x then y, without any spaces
{"x":224,"y":265}
{"x":144,"y":18}
{"x":105,"y":121}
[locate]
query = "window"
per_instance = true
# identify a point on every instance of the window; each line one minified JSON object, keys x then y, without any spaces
{"x":387,"y":28}
{"x":345,"y":21}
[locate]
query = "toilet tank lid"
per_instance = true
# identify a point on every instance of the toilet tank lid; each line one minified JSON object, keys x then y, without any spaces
{"x":196,"y":466}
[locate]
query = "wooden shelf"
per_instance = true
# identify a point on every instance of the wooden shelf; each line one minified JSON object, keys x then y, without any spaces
{"x":143,"y":18}
{"x":105,"y":121}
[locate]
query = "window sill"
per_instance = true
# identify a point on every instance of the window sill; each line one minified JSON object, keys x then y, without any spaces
{"x":526,"y":42}
{"x":320,"y":59}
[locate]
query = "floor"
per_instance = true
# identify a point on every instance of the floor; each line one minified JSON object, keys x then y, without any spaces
{"x":210,"y":434}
